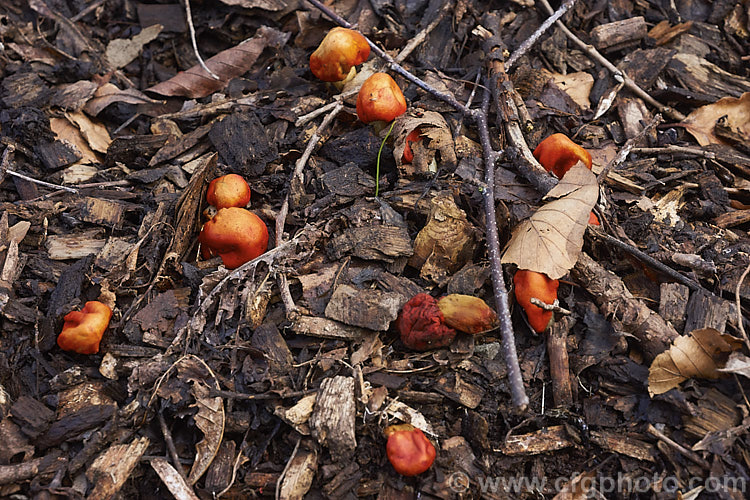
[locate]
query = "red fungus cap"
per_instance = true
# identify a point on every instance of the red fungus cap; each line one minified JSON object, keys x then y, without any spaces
{"x":234,"y":234}
{"x":408,"y":449}
{"x":530,"y":284}
{"x":338,"y":53}
{"x":557,"y":154}
{"x":83,"y":330}
{"x":380,"y":99}
{"x":422,"y":325}
{"x":229,"y":190}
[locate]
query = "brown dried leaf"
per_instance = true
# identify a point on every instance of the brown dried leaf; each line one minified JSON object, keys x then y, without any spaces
{"x":550,"y":241}
{"x":446,"y":242}
{"x":109,"y":94}
{"x":700,"y":123}
{"x":122,"y":51}
{"x":700,"y":354}
{"x":436,"y":136}
{"x":95,"y":133}
{"x":228,"y":64}
{"x":577,"y":85}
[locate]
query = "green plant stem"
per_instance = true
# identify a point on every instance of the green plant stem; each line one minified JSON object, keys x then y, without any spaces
{"x":377,"y":164}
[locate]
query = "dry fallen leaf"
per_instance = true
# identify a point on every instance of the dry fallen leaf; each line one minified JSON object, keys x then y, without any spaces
{"x":435,"y":136}
{"x":122,"y":51}
{"x":699,"y":355}
{"x":550,"y":241}
{"x":227,"y":64}
{"x":93,"y":131}
{"x":701,"y":122}
{"x":577,"y":85}
{"x":446,"y":242}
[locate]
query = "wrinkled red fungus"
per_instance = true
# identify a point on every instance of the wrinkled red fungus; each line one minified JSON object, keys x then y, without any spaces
{"x":422,"y":325}
{"x":530,"y":284}
{"x":408,"y":449}
{"x":234,"y":234}
{"x":229,"y":190}
{"x":380,"y":99}
{"x":337,"y":55}
{"x":83,"y":330}
{"x":557,"y":154}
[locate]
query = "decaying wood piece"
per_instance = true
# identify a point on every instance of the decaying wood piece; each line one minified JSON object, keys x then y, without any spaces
{"x":371,"y":309}
{"x":715,"y":413}
{"x":333,"y":420}
{"x":707,"y":311}
{"x":173,"y":480}
{"x":76,"y":245}
{"x":557,"y":349}
{"x":613,"y":298}
{"x":624,"y":445}
{"x":315,"y":326}
{"x":546,"y":440}
{"x":112,"y":468}
{"x":300,"y":472}
{"x":460,"y":390}
{"x":619,"y":34}
{"x":385,"y":243}
{"x":11,"y":474}
{"x":673,"y":304}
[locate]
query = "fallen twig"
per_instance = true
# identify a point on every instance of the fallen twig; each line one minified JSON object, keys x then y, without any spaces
{"x":616,"y":72}
{"x":518,"y":393}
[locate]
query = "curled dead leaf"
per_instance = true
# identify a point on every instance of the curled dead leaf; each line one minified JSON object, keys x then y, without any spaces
{"x":435,"y":137}
{"x":550,"y":241}
{"x":699,"y":355}
{"x":446,"y":242}
{"x":735,"y":115}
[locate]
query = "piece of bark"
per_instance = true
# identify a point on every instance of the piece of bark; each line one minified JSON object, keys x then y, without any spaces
{"x":68,"y":289}
{"x":624,"y":445}
{"x":333,"y":420}
{"x":673,"y":304}
{"x":173,"y":480}
{"x":707,"y":311}
{"x":644,"y":66}
{"x":55,"y":155}
{"x":134,"y":151}
{"x":75,"y":245}
{"x":11,"y":474}
{"x":454,"y":387}
{"x":371,"y":309}
{"x":32,"y":417}
{"x":557,"y":348}
{"x":714,"y":412}
{"x":268,"y":340}
{"x":112,"y":468}
{"x":325,"y":328}
{"x":72,"y":426}
{"x":241,"y":140}
{"x":704,"y":77}
{"x":349,"y":181}
{"x":613,"y":298}
{"x":549,"y":439}
{"x":386,"y":243}
{"x":301,"y":472}
{"x":617,"y":35}
{"x":105,"y":212}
